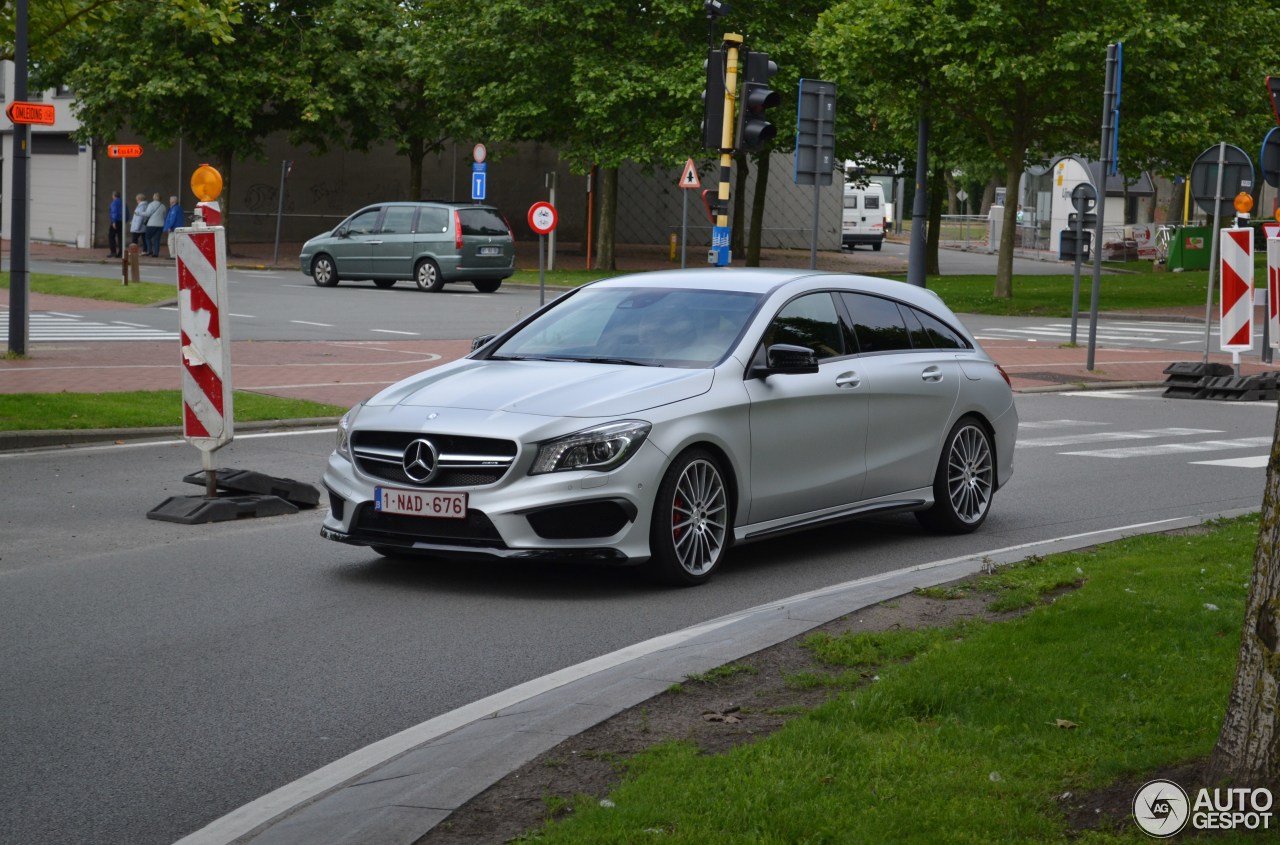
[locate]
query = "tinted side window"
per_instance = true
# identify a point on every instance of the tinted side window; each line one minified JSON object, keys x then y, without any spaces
{"x":877,"y":323}
{"x":364,"y":222}
{"x":433,"y":220}
{"x":851,"y":201}
{"x":919,"y":337}
{"x":942,"y":335}
{"x":871,"y":201}
{"x":398,"y":220}
{"x":482,"y":221}
{"x":809,"y":321}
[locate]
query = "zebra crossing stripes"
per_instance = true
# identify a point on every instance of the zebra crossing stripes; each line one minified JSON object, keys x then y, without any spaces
{"x":53,"y":326}
{"x":1183,"y":441}
{"x":1138,"y":333}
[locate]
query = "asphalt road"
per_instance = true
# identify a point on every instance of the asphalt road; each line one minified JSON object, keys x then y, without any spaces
{"x":159,"y":676}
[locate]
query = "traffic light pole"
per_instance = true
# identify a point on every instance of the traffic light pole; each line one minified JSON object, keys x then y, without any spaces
{"x":720,"y":254}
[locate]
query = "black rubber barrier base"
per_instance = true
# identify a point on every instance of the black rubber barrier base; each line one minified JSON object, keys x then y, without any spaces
{"x":1190,"y":380}
{"x":247,"y":481}
{"x":196,"y":510}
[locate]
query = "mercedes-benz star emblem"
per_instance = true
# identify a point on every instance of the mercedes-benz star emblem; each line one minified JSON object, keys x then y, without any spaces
{"x":420,"y":461}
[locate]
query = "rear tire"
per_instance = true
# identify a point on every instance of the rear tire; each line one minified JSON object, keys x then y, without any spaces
{"x":487,"y":285}
{"x":691,"y":527}
{"x":876,"y":246}
{"x":384,"y":283}
{"x":324,"y":272}
{"x":964,"y":482}
{"x":427,"y":275}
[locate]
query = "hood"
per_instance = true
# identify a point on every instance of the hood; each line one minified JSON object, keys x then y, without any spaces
{"x":547,"y":388}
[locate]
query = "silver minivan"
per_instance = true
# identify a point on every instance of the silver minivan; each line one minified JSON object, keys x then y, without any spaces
{"x":428,"y":242}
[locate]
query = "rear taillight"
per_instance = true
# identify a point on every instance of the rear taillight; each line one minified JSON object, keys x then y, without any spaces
{"x":1004,"y":375}
{"x":510,"y":231}
{"x":457,"y":231}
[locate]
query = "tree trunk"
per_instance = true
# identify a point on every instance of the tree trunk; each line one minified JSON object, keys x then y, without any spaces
{"x":738,"y":230}
{"x":933,"y":240}
{"x":757,"y":209}
{"x":417,"y":151}
{"x":1248,"y":749}
{"x":953,"y":202}
{"x":1009,"y":230}
{"x":989,"y":195}
{"x":604,"y":258}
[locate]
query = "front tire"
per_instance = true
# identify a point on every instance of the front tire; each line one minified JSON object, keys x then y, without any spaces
{"x":964,"y":482}
{"x":487,"y":285}
{"x":692,"y":526}
{"x":324,"y":272}
{"x":427,"y":275}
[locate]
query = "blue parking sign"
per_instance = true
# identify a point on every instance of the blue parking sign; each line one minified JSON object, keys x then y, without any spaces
{"x":478,"y":179}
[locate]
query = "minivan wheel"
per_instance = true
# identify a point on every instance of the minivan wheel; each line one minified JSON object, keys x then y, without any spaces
{"x":427,"y":275}
{"x":324,"y":272}
{"x":691,"y":527}
{"x":487,"y":285}
{"x":876,"y":246}
{"x":964,"y":481}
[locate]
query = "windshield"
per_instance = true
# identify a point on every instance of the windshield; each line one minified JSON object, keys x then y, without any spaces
{"x":645,"y":327}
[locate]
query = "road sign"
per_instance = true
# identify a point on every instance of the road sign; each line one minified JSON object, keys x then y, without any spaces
{"x":124,"y":150}
{"x":479,"y":153}
{"x":1236,"y":294}
{"x":815,"y":133}
{"x":20,"y":112}
{"x":542,"y":217}
{"x":1237,"y":175}
{"x":689,"y":177}
{"x":478,"y":184}
{"x":1084,"y":197}
{"x":1270,"y":159}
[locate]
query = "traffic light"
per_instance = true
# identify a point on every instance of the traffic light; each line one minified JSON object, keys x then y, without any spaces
{"x":757,"y":130}
{"x":713,"y":100}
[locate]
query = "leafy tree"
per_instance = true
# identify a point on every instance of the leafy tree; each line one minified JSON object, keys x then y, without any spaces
{"x":165,"y":81}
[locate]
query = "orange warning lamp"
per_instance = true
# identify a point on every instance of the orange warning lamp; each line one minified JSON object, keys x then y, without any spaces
{"x":206,"y":183}
{"x":1243,"y":203}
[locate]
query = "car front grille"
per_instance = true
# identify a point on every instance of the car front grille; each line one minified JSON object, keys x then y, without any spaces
{"x":463,"y":461}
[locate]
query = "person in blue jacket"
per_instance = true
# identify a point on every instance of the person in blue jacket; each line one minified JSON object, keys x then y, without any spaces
{"x":173,"y":219}
{"x":115,"y":215}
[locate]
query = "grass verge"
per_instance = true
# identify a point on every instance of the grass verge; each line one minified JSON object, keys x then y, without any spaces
{"x":88,"y":287}
{"x":970,"y":733}
{"x":139,"y":409}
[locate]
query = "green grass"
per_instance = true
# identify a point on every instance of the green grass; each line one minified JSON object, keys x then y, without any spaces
{"x":85,"y":287}
{"x":1050,"y":296}
{"x":959,"y":739}
{"x":139,"y":409}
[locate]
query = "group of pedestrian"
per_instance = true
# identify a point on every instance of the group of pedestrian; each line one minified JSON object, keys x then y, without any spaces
{"x":146,"y":223}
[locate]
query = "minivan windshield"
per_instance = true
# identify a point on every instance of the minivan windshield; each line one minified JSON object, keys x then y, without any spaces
{"x":660,"y":327}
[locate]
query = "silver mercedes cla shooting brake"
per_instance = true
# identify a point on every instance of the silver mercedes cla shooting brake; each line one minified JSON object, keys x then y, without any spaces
{"x":659,"y":418}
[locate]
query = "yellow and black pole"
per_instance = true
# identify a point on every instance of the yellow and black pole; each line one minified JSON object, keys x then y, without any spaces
{"x":720,"y":255}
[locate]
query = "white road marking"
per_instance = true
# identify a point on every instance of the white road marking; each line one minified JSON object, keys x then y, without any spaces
{"x":393,"y":331}
{"x":1251,"y":462}
{"x":1176,"y":448}
{"x":307,"y":323}
{"x":1102,"y":436}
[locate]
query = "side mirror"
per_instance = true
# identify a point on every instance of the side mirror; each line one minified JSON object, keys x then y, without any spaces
{"x":482,"y":340}
{"x":784,"y":358}
{"x":340,"y":232}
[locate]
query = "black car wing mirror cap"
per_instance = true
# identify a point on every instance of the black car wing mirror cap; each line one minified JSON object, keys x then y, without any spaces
{"x":783,"y":358}
{"x":482,"y":340}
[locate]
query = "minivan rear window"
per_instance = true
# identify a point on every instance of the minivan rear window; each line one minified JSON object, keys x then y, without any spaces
{"x":482,"y":221}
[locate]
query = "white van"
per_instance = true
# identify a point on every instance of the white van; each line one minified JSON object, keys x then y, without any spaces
{"x":863,"y":219}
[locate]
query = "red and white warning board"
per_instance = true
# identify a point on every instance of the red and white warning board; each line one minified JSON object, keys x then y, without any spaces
{"x":207,"y":415}
{"x":1235,"y":315}
{"x":1273,"y":291}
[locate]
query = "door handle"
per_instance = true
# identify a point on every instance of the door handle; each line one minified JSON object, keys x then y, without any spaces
{"x":373,"y":243}
{"x":850,"y":380}
{"x":931,"y":374}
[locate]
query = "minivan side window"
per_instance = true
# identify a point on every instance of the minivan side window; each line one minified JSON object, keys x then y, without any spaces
{"x":851,"y":201}
{"x":871,"y":201}
{"x":433,"y":220}
{"x":877,"y":323}
{"x":364,"y":222}
{"x":398,"y":220}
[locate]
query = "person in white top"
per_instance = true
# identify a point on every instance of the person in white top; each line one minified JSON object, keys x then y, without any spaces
{"x":138,"y":226}
{"x":155,"y":223}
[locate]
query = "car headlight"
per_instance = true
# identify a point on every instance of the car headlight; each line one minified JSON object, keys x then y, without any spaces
{"x":601,"y":449}
{"x":343,"y":446}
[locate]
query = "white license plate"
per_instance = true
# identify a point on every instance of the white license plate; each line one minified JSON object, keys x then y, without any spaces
{"x":491,"y":250}
{"x":420,"y":503}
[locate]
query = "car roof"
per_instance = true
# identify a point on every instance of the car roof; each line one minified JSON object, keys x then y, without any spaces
{"x":765,"y":280}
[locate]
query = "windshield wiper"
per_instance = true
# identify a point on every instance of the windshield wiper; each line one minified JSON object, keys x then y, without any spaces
{"x":608,"y":360}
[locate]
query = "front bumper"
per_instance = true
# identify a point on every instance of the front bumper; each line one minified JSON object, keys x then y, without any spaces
{"x":563,"y":515}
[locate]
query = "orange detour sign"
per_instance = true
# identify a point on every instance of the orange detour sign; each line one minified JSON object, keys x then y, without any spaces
{"x":124,"y":150}
{"x":20,"y":112}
